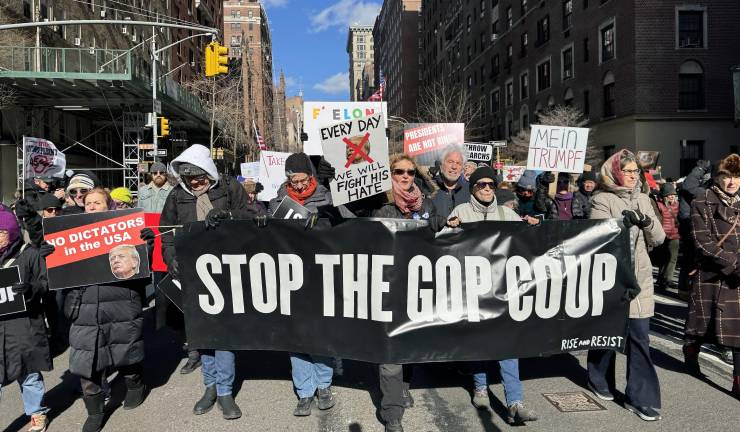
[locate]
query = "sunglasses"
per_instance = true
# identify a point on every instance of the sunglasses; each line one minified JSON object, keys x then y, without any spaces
{"x":52,"y":210}
{"x":158,"y":173}
{"x":81,"y":191}
{"x":410,"y":173}
{"x":483,"y":185}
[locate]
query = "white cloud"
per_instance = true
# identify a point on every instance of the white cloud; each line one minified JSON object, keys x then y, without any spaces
{"x":274,"y":3}
{"x":344,"y":13}
{"x":335,"y":84}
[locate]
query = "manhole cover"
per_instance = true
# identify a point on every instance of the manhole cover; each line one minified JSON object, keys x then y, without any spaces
{"x":573,"y":402}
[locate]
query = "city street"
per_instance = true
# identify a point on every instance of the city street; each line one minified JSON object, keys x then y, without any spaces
{"x":442,"y":395}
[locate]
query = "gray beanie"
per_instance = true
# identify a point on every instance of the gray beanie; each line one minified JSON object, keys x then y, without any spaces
{"x":158,"y":167}
{"x":528,"y":180}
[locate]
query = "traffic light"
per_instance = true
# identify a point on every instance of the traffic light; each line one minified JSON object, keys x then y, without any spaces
{"x":164,"y":127}
{"x":216,"y":59}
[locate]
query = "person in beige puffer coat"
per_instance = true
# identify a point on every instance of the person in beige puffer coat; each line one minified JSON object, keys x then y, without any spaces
{"x":619,"y":198}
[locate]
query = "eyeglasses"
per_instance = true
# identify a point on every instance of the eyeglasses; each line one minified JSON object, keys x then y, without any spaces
{"x":52,"y":210}
{"x":303,"y":181}
{"x":633,"y":172}
{"x":399,"y":172}
{"x":81,"y":191}
{"x":483,"y":185}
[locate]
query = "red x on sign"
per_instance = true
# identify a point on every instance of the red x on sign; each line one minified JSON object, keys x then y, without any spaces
{"x":357,"y":150}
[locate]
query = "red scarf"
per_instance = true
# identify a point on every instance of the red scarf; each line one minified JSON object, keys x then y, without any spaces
{"x":407,"y":201}
{"x":302,"y":196}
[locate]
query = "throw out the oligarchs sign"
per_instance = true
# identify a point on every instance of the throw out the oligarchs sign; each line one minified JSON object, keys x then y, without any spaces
{"x":358,"y":151}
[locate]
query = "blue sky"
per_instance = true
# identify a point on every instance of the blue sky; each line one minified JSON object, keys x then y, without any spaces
{"x":309,"y":39}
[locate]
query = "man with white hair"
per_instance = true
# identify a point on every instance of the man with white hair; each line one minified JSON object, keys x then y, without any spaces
{"x":453,"y":188}
{"x":124,"y":261}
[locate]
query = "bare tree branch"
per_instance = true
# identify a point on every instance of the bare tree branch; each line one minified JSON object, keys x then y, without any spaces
{"x":442,"y":102}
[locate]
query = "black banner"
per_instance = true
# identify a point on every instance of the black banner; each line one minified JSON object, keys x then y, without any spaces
{"x":382,"y":292}
{"x":172,"y":289}
{"x":9,"y":302}
{"x":96,"y":248}
{"x":289,"y":209}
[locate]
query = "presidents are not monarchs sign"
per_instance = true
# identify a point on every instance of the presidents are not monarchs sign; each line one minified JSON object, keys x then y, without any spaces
{"x":380,"y":292}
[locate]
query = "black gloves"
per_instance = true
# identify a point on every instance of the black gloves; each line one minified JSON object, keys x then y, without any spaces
{"x":261,"y":221}
{"x":173,"y":270}
{"x":705,"y":165}
{"x":22,"y":288}
{"x":258,"y":188}
{"x":304,"y":136}
{"x":631,"y":293}
{"x":147,"y":234}
{"x":547,"y":177}
{"x":24,"y":209}
{"x":215,"y":216}
{"x":636,"y":218}
{"x":46,"y":249}
{"x":324,"y":171}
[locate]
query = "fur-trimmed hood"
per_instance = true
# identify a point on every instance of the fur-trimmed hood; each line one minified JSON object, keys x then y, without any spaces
{"x":200,"y":156}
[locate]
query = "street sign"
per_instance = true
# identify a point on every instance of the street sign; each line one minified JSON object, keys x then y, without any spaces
{"x":157,"y":106}
{"x":160,"y":152}
{"x":146,"y":146}
{"x":497,"y":144}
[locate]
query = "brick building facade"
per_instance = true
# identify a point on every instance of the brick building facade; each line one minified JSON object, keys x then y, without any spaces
{"x":361,"y":51}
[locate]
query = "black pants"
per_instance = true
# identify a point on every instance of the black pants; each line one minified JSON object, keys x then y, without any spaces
{"x":643,"y":388}
{"x":92,"y":386}
{"x":393,"y":382}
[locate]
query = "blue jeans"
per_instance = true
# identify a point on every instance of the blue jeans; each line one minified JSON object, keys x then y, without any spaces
{"x":310,"y":373}
{"x":218,"y":369}
{"x":509,"y":378}
{"x":32,"y":392}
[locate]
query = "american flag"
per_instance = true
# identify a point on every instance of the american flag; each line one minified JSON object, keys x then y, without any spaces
{"x":260,"y":141}
{"x":378,"y":95}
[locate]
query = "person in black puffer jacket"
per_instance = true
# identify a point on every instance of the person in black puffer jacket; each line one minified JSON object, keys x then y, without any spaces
{"x":582,"y":197}
{"x":106,"y":332}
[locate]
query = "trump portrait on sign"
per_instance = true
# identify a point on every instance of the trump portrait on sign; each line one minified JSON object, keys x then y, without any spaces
{"x":124,"y":261}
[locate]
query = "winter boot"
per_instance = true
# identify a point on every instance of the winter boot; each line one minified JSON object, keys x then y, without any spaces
{"x":326,"y":398}
{"x":206,"y":403}
{"x":303,"y":408}
{"x":519,"y":414}
{"x":228,"y":407}
{"x":95,"y":405}
{"x":393,"y":426}
{"x":135,"y":393}
{"x":736,"y":386}
{"x":691,"y":358}
{"x":192,"y":364}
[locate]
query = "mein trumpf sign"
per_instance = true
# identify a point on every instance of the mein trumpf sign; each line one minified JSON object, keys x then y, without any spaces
{"x":557,"y":148}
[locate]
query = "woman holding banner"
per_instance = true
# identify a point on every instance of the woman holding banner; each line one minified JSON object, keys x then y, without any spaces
{"x":24,"y":347}
{"x":312,"y":375}
{"x":106,"y":332}
{"x":620,"y":197}
{"x":404,"y":201}
{"x":483,"y":207}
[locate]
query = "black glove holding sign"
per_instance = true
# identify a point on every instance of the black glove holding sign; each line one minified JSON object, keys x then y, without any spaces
{"x":636,"y":218}
{"x":147,"y":234}
{"x":214,"y":218}
{"x":24,"y":209}
{"x":26,"y":289}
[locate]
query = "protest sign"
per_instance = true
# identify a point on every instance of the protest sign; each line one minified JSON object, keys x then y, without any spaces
{"x":172,"y":289}
{"x":647,"y":159}
{"x":96,"y":248}
{"x":152,"y":221}
{"x":289,"y":209}
{"x":271,"y":173}
{"x":319,"y":114}
{"x":512,"y":173}
{"x":426,"y":141}
{"x":9,"y":302}
{"x":250,"y":170}
{"x":41,"y":158}
{"x":370,"y":291}
{"x":557,"y":148}
{"x":479,"y":153}
{"x":358,"y":151}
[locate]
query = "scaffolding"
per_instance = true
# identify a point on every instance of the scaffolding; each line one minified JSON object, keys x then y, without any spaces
{"x":134,"y":128}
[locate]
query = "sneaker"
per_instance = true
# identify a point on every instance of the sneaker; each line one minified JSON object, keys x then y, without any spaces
{"x":645,"y":413}
{"x":303,"y":408}
{"x":393,"y":426}
{"x":326,"y":398}
{"x":408,"y":400}
{"x":38,"y":423}
{"x":601,"y":394}
{"x":519,"y":414}
{"x":480,"y":398}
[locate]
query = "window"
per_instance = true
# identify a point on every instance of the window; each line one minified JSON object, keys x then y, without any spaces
{"x":509,"y":93}
{"x":235,"y":26}
{"x":524,"y":43}
{"x":509,"y":55}
{"x":568,"y":97}
{"x":585,"y":50}
{"x":609,"y":95}
{"x":691,"y":28}
{"x":495,"y":101}
{"x":524,"y":117}
{"x":250,"y":14}
{"x":469,"y":21}
{"x":524,"y":7}
{"x":543,"y":75}
{"x":509,"y":18}
{"x":691,"y":86}
{"x":543,"y":30}
{"x":524,"y":85}
{"x":691,"y":152}
{"x":586,"y":103}
{"x":567,"y":57}
{"x":567,"y":14}
{"x":509,"y":124}
{"x":585,"y":4}
{"x":495,"y":65}
{"x":606,"y":34}
{"x":494,"y":30}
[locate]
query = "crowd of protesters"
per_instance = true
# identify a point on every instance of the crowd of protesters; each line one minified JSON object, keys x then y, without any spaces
{"x":103,"y":324}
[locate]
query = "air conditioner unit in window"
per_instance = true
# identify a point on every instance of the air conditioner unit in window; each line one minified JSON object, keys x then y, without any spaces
{"x":102,"y":13}
{"x":133,"y":38}
{"x":91,"y":50}
{"x":494,"y":37}
{"x":124,"y":30}
{"x":78,"y":41}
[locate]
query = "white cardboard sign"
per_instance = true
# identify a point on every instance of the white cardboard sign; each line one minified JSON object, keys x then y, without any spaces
{"x":272,"y":173}
{"x":319,"y":114}
{"x":557,"y":148}
{"x":358,"y":151}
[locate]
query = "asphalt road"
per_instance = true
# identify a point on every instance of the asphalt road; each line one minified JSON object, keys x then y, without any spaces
{"x":265,"y":394}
